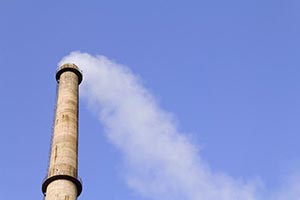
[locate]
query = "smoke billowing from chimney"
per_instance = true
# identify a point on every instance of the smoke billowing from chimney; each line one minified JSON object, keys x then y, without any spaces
{"x":160,"y":162}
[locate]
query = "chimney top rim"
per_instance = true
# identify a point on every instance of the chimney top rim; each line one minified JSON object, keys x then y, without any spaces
{"x":69,"y":67}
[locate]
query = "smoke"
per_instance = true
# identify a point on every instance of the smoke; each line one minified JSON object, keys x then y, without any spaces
{"x":160,"y":162}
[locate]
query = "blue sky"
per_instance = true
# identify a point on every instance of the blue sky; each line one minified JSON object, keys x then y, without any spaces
{"x":228,"y":71}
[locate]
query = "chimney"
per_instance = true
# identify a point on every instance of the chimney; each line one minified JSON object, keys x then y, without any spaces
{"x":62,"y":181}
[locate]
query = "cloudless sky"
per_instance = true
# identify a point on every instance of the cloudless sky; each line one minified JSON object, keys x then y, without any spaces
{"x":229,"y":71}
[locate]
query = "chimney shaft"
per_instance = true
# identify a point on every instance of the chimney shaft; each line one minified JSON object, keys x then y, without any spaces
{"x":62,"y":180}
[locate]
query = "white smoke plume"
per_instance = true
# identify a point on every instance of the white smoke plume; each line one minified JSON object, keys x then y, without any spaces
{"x":161,"y":162}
